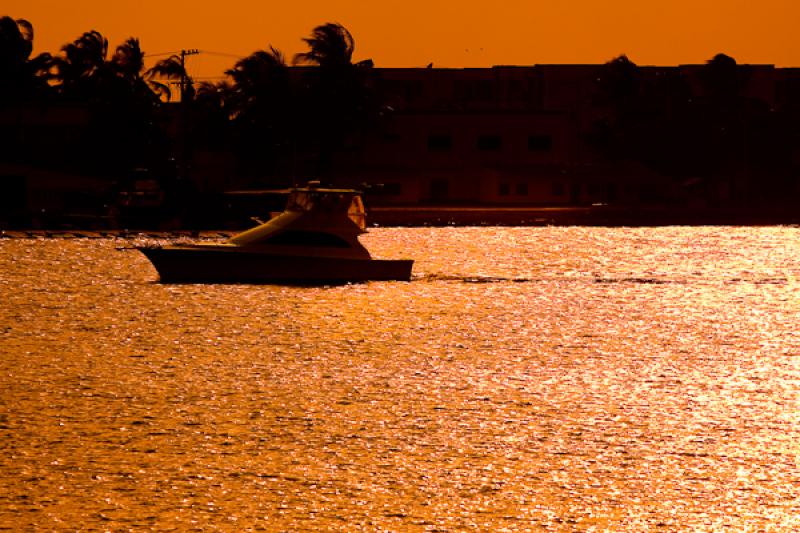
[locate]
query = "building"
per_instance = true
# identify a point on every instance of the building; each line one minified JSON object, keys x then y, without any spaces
{"x":511,"y":135}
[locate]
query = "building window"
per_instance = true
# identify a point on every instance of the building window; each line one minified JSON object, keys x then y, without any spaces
{"x":391,"y":137}
{"x":521,"y":189}
{"x":440,"y":143}
{"x":558,"y":189}
{"x":489,"y":142}
{"x":540,"y":143}
{"x":503,"y":189}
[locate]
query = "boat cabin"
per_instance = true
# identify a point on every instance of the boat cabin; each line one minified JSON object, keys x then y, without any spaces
{"x":312,"y":199}
{"x":315,"y":220}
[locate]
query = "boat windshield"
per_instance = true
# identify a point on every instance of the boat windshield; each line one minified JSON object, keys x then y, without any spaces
{"x":357,"y":213}
{"x":343,"y":202}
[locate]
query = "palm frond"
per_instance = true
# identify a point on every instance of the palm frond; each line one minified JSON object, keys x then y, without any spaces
{"x":330,"y":45}
{"x":128,"y":58}
{"x":170,"y":68}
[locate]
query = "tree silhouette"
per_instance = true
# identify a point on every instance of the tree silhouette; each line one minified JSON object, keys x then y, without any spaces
{"x":82,"y":69}
{"x":21,"y":77}
{"x":262,"y":72}
{"x":263,"y":104}
{"x":211,"y":113}
{"x":619,"y":82}
{"x":173,"y":68}
{"x":331,"y":46}
{"x":721,"y":77}
{"x":646,"y":118}
{"x":122,"y":106}
{"x":618,"y":92}
{"x":339,"y":100}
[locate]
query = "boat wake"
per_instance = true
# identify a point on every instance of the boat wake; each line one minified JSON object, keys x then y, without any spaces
{"x":474,"y":279}
{"x":648,"y":281}
{"x":633,"y":280}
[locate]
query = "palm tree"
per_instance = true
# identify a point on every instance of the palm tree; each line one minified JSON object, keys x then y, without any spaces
{"x":263,"y":71}
{"x":742,"y":137}
{"x":619,"y":82}
{"x":645,"y":117}
{"x":121,"y":105}
{"x":212,"y":108}
{"x":127,"y":63}
{"x":618,"y":92}
{"x":721,"y":77}
{"x":128,"y":59}
{"x":173,"y":68}
{"x":330,"y":46}
{"x":340,"y":102}
{"x":20,"y":75}
{"x":82,"y":68}
{"x":262,"y":106}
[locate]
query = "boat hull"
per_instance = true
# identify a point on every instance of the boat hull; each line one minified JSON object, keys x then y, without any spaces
{"x":185,"y":265}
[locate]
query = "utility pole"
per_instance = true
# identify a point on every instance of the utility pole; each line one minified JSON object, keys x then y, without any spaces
{"x":183,"y":147}
{"x":184,"y":76}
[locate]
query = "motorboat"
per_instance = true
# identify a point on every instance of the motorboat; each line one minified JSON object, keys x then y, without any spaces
{"x":313,"y":241}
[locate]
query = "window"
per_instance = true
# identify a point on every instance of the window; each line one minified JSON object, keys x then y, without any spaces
{"x":440,"y":143}
{"x":489,"y":142}
{"x":521,"y":189}
{"x":503,"y":189}
{"x":309,"y":238}
{"x":540,"y":143}
{"x":558,"y":189}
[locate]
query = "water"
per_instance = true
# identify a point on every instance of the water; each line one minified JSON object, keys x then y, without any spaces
{"x":562,"y":379}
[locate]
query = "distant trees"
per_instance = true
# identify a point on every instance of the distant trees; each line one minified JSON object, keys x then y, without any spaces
{"x":280,"y":120}
{"x":120,"y":105}
{"x":123,"y":132}
{"x":290,"y":121}
{"x":695,"y":126}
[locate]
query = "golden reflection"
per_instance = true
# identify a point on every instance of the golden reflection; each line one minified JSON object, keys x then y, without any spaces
{"x":622,"y":382}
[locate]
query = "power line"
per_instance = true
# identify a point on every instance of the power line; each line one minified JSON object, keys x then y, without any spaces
{"x":207,"y":52}
{"x":162,"y":54}
{"x":223,"y":54}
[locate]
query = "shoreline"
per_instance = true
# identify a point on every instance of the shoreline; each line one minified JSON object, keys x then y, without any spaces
{"x":443,"y":216}
{"x":604,"y":215}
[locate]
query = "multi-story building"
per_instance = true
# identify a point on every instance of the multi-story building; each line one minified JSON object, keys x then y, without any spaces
{"x":518,"y":135}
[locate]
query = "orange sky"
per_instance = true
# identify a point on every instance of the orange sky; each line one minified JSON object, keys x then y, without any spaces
{"x":448,"y":33}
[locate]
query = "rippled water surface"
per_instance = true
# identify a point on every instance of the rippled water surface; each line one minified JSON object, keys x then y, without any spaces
{"x":564,"y":379}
